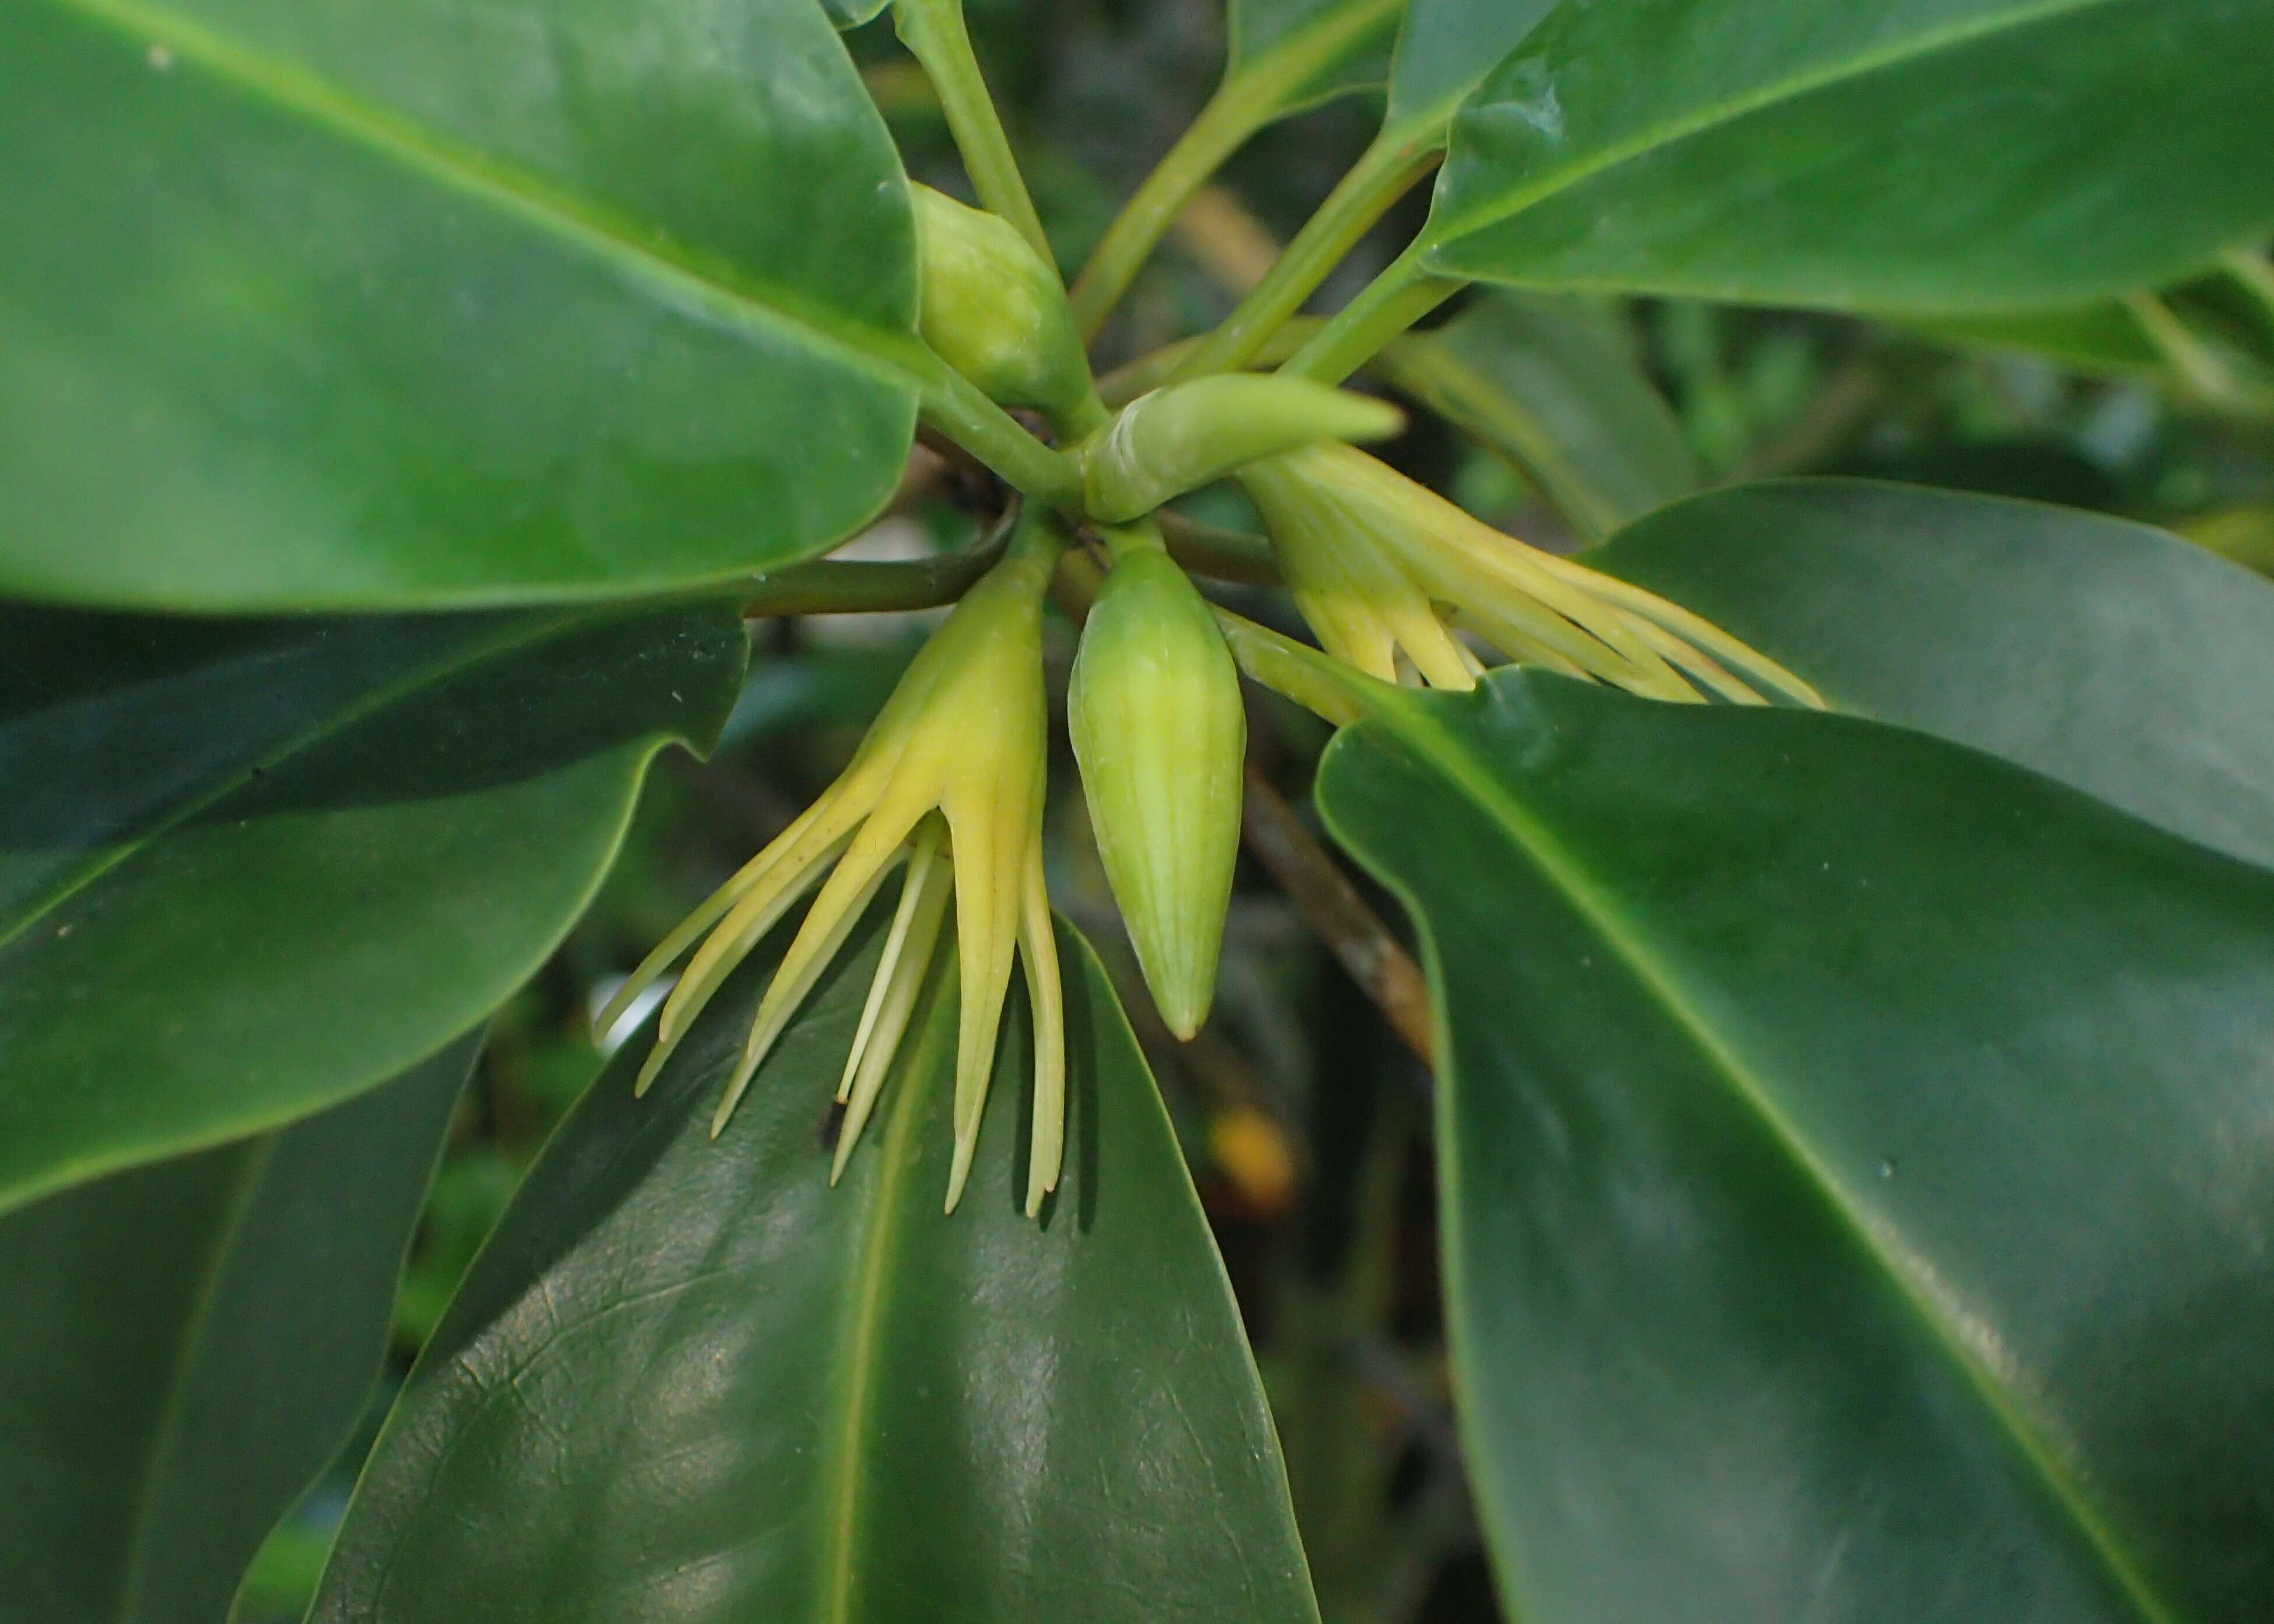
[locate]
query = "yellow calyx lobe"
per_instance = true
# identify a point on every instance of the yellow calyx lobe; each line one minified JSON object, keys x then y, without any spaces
{"x":1389,"y":575}
{"x":949,"y":780}
{"x":993,"y":310}
{"x":1158,"y":725}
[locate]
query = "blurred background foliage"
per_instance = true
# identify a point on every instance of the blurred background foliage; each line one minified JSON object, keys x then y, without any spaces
{"x":1304,"y":1118}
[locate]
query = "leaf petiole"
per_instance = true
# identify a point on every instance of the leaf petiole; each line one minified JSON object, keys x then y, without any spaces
{"x":934,"y":31}
{"x":1397,"y":298}
{"x":1393,"y":165}
{"x":1252,"y":97}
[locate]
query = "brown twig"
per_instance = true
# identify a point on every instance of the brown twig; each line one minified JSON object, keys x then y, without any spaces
{"x":1332,"y":906}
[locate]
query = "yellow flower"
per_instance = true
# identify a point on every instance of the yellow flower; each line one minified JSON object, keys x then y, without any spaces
{"x":1388,"y":574}
{"x":949,"y":779}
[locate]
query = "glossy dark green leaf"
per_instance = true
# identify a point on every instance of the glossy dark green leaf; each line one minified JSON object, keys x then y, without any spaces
{"x":250,"y":868}
{"x":339,"y":303}
{"x":1554,"y":387}
{"x":1911,"y":155}
{"x":689,"y":1383}
{"x":1293,"y":54}
{"x":2112,"y":655}
{"x":1855,"y":1171}
{"x":189,"y":1343}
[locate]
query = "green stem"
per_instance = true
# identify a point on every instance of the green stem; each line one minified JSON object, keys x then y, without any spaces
{"x":1257,"y":93}
{"x":2200,"y":369}
{"x":1391,"y":168}
{"x":1400,"y":296}
{"x":934,"y":31}
{"x":1221,"y":130}
{"x":953,"y":405}
{"x":1220,"y":554}
{"x":1147,"y":372}
{"x":1312,"y":680}
{"x":2254,"y":275}
{"x":832,"y":587}
{"x":1139,"y":536}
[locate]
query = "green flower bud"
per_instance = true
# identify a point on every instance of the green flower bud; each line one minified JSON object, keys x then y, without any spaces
{"x":1181,"y":438}
{"x":1159,"y":729}
{"x":995,"y":312}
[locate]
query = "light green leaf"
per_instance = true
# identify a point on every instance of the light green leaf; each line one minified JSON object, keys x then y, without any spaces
{"x":1854,"y":1176}
{"x":2113,"y":656}
{"x":1554,"y":387}
{"x":190,"y":1343}
{"x":1920,"y":156}
{"x":687,"y":1381}
{"x":248,"y":868}
{"x":342,"y":304}
{"x":853,"y":13}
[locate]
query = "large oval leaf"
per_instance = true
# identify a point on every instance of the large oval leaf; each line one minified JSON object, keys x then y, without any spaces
{"x":1858,"y":1156}
{"x":1915,"y":156}
{"x":689,"y":1382}
{"x":334,"y":302}
{"x":2116,"y":658}
{"x":189,"y":1345}
{"x":248,"y":868}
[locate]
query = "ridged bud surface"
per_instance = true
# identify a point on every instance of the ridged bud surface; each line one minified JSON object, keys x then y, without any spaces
{"x":994,"y":312}
{"x":1179,"y":439}
{"x":1158,"y":725}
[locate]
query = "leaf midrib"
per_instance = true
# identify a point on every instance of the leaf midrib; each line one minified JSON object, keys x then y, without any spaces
{"x":1630,"y":945}
{"x":863,"y":1332}
{"x":728,"y":290}
{"x":374,"y":702}
{"x":1712,"y":115}
{"x":240,"y":1205}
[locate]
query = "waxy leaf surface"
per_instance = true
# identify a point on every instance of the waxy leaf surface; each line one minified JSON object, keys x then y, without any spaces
{"x":248,"y":868}
{"x":689,"y":1383}
{"x":190,"y":1343}
{"x":1911,"y":155}
{"x":2109,"y":654}
{"x":345,"y":303}
{"x":1856,"y":1156}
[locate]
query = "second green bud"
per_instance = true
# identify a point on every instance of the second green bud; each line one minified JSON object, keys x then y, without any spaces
{"x":1159,"y":728}
{"x":995,"y":312}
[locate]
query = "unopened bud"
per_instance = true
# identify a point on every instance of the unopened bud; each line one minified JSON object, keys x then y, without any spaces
{"x":994,"y":312}
{"x":1158,"y":727}
{"x":1181,"y":438}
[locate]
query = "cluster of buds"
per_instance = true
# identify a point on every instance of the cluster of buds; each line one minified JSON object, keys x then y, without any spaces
{"x":949,"y":782}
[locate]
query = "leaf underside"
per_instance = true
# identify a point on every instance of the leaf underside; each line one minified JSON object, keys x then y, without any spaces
{"x":190,"y":1342}
{"x":250,"y":868}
